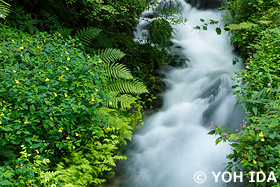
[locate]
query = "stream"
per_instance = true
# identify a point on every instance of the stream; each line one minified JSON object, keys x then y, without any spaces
{"x":174,"y":143}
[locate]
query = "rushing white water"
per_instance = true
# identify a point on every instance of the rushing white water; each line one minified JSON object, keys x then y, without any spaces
{"x":174,"y":144}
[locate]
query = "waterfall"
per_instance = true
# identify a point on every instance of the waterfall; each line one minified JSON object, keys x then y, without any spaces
{"x":173,"y":144}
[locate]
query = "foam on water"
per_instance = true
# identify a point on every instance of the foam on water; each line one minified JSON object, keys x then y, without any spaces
{"x":174,"y":144}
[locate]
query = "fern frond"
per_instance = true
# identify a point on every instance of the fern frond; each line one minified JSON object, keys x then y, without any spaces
{"x":132,"y":86}
{"x":111,"y":55}
{"x":124,"y":100}
{"x":243,"y":25}
{"x":4,"y":9}
{"x":117,"y":70}
{"x":86,"y":35}
{"x":65,"y":31}
{"x":104,"y":40}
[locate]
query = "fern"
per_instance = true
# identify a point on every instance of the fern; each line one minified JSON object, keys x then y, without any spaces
{"x":132,"y":86}
{"x":104,"y":40}
{"x":65,"y":31}
{"x":111,"y":55}
{"x":86,"y":35}
{"x":125,"y":100}
{"x":4,"y":9}
{"x":243,"y":25}
{"x":119,"y":70}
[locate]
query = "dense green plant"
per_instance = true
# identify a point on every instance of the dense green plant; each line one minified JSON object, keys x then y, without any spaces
{"x":256,"y":143}
{"x":47,"y":82}
{"x":22,"y":172}
{"x":4,"y":9}
{"x":52,"y":94}
{"x":87,"y":164}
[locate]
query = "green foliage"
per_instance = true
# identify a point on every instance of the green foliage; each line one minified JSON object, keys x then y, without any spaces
{"x":160,"y":33}
{"x":23,"y":172}
{"x":256,"y":143}
{"x":240,"y":26}
{"x":87,"y":165}
{"x":86,"y":35}
{"x":4,"y":9}
{"x":47,"y":83}
{"x":111,"y":55}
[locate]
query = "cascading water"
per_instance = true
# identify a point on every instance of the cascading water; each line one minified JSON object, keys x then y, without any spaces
{"x":173,"y":144}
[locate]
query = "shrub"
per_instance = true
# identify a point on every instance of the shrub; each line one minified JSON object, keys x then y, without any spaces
{"x":256,"y":144}
{"x":53,"y":102}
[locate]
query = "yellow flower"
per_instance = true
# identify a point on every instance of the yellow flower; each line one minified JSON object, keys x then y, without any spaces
{"x":26,"y":121}
{"x":60,"y":129}
{"x":17,"y":166}
{"x":96,"y":89}
{"x":17,"y":81}
{"x":33,"y":167}
{"x":39,"y":47}
{"x":67,"y":68}
{"x":110,"y":103}
{"x":245,"y":75}
{"x":44,"y":40}
{"x":92,"y":98}
{"x":0,"y":122}
{"x":68,"y":138}
{"x":14,"y":71}
{"x":2,"y":114}
{"x":68,"y":58}
{"x":36,"y":151}
{"x":261,"y":134}
{"x":113,"y":127}
{"x":72,"y":108}
{"x":108,"y":128}
{"x":0,"y":51}
{"x":271,"y":45}
{"x":77,"y":134}
{"x":255,"y":162}
{"x":21,"y":55}
{"x":59,"y":34}
{"x":65,"y":95}
{"x":55,"y":38}
{"x":55,"y":94}
{"x":61,"y":77}
{"x":61,"y":55}
{"x":267,"y":44}
{"x":4,"y":109}
{"x":251,"y":62}
{"x":246,"y":32}
{"x":261,"y":170}
{"x":262,"y":139}
{"x":13,"y":40}
{"x":247,"y":67}
{"x":47,"y":79}
{"x":73,"y":44}
{"x":100,"y":61}
{"x":21,"y":47}
{"x":73,"y":146}
{"x":66,"y":52}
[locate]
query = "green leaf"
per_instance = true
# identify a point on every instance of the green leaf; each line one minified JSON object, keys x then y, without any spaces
{"x":32,"y":109}
{"x":218,"y":31}
{"x":212,"y":132}
{"x":24,"y":106}
{"x":218,"y":140}
{"x":255,"y":110}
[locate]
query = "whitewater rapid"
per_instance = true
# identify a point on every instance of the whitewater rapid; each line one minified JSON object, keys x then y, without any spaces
{"x":173,"y":144}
